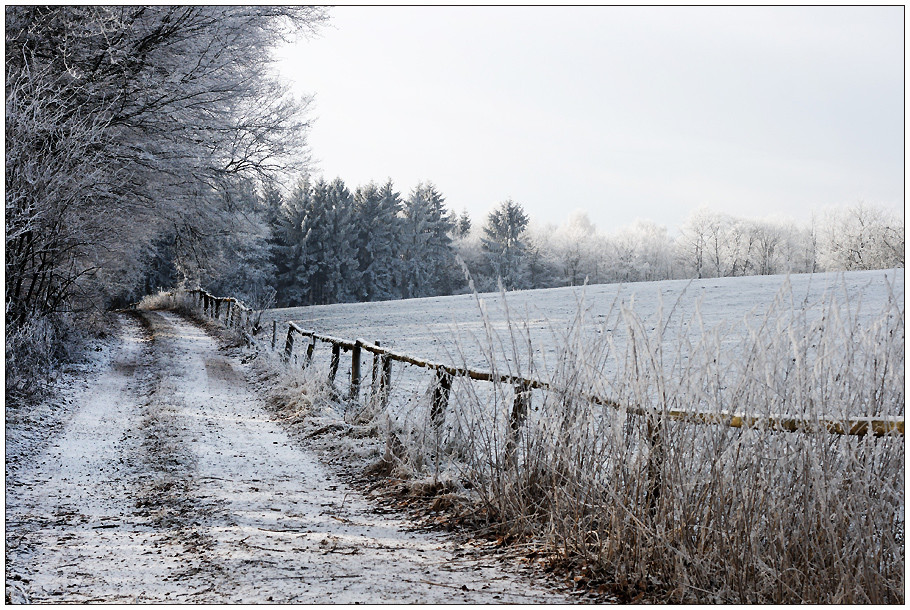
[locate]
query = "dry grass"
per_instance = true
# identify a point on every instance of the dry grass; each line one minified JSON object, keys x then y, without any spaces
{"x":702,"y":513}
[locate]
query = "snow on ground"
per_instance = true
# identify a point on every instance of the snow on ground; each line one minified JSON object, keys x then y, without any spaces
{"x":435,"y":327}
{"x":451,"y":329}
{"x":170,"y":483}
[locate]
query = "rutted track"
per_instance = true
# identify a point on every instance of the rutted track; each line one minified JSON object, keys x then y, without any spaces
{"x":171,"y":483}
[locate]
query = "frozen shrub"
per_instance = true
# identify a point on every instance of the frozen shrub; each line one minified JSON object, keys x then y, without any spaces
{"x":34,"y":350}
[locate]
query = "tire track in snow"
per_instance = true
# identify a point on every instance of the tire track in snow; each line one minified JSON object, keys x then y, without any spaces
{"x":172,"y":483}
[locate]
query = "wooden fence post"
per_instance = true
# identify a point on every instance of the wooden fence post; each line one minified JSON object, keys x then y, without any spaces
{"x":355,"y":370}
{"x":289,"y":343}
{"x":274,"y":333}
{"x":520,"y":406}
{"x":655,"y":464}
{"x":217,"y":307}
{"x":333,"y":367}
{"x":440,"y":396}
{"x":229,"y":314}
{"x":374,"y":377}
{"x":385,"y":379}
{"x":309,"y":353}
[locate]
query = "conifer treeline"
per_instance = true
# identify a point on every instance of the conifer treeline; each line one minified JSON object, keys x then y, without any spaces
{"x":322,"y":243}
{"x":333,"y":246}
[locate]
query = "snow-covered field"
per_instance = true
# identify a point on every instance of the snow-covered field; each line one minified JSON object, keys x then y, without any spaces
{"x":454,"y":329}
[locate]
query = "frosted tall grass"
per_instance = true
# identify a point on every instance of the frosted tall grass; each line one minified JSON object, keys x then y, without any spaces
{"x":700,"y":512}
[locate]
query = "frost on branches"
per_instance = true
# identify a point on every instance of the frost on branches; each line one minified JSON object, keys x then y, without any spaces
{"x":127,"y":130}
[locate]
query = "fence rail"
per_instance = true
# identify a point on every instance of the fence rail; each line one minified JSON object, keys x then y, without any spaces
{"x":445,"y":373}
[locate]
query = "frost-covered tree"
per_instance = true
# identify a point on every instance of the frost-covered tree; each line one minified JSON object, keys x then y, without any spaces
{"x":543,"y":271}
{"x":241,"y":255}
{"x":641,"y":252}
{"x":579,"y":250}
{"x":463,"y":225}
{"x":504,"y":244}
{"x":767,"y":240}
{"x":427,"y":254}
{"x":329,"y":269}
{"x":702,"y":242}
{"x":288,"y":253}
{"x":126,"y":126}
{"x":861,"y":237}
{"x":378,"y":240}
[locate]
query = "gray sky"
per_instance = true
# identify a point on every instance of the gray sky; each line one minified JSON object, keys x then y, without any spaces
{"x":627,"y":112}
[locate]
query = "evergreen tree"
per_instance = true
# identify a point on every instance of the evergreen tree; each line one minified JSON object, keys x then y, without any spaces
{"x":378,"y":239}
{"x":337,"y":253}
{"x":428,"y":257}
{"x":319,"y":254}
{"x":503,"y":242}
{"x":288,"y":252}
{"x":272,"y":202}
{"x":463,"y":225}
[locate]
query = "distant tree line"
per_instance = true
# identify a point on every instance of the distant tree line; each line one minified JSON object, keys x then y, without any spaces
{"x":324,"y":243}
{"x":333,"y":245}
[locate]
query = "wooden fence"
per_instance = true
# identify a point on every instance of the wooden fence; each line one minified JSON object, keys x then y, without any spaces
{"x":445,"y":374}
{"x":235,"y":313}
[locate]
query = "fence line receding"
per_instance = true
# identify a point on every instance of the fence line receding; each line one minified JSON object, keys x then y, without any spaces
{"x":237,"y":315}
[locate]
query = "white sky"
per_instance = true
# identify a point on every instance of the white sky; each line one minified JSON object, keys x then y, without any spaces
{"x":627,"y":112}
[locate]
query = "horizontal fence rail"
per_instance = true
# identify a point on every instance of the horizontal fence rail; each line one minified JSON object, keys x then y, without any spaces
{"x":445,"y":373}
{"x":858,"y":426}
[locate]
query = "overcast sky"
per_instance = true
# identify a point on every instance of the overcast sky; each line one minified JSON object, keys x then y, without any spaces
{"x":626,"y":112}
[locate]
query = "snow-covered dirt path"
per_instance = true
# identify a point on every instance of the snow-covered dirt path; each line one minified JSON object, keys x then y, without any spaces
{"x":170,"y":483}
